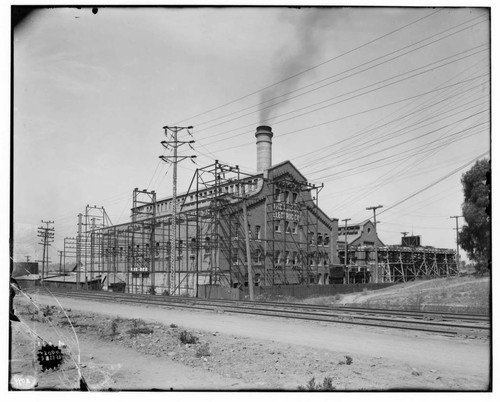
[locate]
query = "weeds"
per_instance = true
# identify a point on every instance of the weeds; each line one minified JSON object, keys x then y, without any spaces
{"x":139,"y":327}
{"x":327,"y":385}
{"x":174,"y":326}
{"x":140,"y":330}
{"x":47,"y":311}
{"x":348,"y":361}
{"x":203,"y":351}
{"x":136,"y":323}
{"x":187,"y":337}
{"x":114,"y":327}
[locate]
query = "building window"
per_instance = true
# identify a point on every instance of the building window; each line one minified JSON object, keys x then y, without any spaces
{"x":235,"y":256}
{"x":320,"y":239}
{"x":258,"y":257}
{"x":295,"y":228}
{"x":277,"y":257}
{"x":288,"y":228}
{"x":326,"y":240}
{"x":311,"y":237}
{"x":287,"y":196}
{"x":287,"y":257}
{"x":257,"y":232}
{"x":277,"y":226}
{"x":277,"y":193}
{"x":294,"y":197}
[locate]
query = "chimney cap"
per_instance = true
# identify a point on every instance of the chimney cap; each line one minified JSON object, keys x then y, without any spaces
{"x":264,"y":128}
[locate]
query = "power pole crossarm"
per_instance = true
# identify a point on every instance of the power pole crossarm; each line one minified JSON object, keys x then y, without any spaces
{"x":46,"y":235}
{"x":174,"y":143}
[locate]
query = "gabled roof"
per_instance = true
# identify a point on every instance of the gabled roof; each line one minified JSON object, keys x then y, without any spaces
{"x":277,"y":166}
{"x":350,"y":238}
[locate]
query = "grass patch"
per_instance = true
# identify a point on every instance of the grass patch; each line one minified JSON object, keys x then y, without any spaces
{"x":326,"y":385}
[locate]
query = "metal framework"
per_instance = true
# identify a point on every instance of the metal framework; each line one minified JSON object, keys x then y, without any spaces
{"x":403,"y":264}
{"x":294,"y":259}
{"x":208,"y":237}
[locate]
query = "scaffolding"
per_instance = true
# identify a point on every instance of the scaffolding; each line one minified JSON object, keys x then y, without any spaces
{"x":403,"y":263}
{"x":295,"y":248}
{"x":210,"y":235}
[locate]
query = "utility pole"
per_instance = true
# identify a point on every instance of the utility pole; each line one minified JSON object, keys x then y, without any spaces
{"x":60,"y":261}
{"x":456,"y":228}
{"x":78,"y":250}
{"x":345,"y":241}
{"x":376,"y":237}
{"x":247,"y":243}
{"x":46,"y":235}
{"x":174,"y":143}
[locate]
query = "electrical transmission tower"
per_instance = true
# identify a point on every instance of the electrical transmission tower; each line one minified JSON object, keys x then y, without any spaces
{"x":173,"y":143}
{"x":46,"y":235}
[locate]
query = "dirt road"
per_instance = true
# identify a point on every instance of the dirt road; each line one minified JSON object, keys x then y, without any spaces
{"x":385,"y":358}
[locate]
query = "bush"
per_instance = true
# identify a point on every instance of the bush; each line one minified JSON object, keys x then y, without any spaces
{"x":327,"y":385}
{"x":46,"y":311}
{"x":348,"y":361}
{"x":114,"y":327}
{"x":187,"y":337}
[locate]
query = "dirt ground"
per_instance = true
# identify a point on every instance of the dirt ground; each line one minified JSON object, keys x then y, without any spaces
{"x":129,"y":347}
{"x":466,"y":294}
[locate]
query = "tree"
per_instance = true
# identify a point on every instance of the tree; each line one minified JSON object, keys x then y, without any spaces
{"x":475,"y":236}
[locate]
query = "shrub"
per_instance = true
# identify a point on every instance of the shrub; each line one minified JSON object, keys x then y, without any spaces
{"x":114,"y":327}
{"x":187,"y":337}
{"x":348,"y":361}
{"x":327,"y":385}
{"x":46,"y":311}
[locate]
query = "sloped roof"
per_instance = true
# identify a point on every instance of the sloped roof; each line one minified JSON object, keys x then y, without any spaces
{"x":30,"y":277}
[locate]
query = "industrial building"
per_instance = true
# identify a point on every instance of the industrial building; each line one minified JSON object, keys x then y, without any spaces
{"x":231,"y":227}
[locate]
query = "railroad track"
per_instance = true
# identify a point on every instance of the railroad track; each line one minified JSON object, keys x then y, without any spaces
{"x":442,"y":323}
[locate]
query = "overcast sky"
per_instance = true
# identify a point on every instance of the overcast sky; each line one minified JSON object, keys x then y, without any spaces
{"x":385,"y":106}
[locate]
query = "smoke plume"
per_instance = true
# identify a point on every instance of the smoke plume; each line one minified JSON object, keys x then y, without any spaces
{"x":301,"y":53}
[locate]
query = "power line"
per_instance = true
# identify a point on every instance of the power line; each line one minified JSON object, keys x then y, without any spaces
{"x":435,"y":182}
{"x":350,"y":70}
{"x":353,"y":92}
{"x":315,"y":66}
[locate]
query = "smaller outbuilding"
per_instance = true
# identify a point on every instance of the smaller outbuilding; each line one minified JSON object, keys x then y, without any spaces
{"x":71,"y":281}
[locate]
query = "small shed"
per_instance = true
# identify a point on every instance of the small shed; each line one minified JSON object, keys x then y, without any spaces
{"x":72,"y":282}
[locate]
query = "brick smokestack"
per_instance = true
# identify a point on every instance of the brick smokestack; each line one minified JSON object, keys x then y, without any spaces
{"x":264,"y":137}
